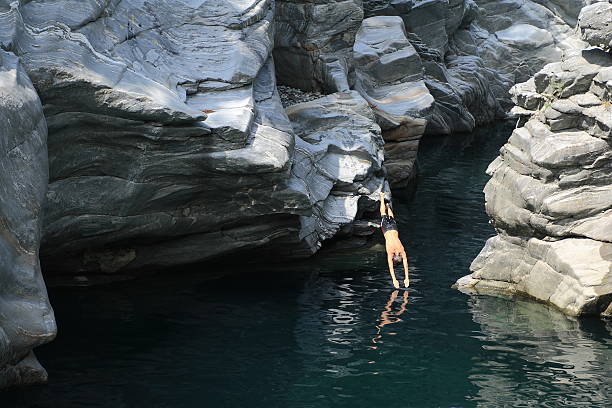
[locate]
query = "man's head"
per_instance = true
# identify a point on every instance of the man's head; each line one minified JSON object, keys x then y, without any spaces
{"x":397,"y":258}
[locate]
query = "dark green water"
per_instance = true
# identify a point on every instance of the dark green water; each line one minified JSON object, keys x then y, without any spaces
{"x":319,"y":334}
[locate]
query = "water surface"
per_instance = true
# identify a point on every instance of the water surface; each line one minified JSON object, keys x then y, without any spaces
{"x":328,"y":332}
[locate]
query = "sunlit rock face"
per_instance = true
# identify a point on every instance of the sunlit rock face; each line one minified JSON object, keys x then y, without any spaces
{"x":168,"y":143}
{"x":550,"y":193}
{"x":517,"y":38}
{"x":465,"y":90}
{"x":339,"y":161}
{"x":447,"y":68}
{"x":389,"y":75}
{"x":26,"y":318}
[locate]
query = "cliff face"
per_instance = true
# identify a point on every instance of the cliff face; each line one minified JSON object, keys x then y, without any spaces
{"x":26,"y":318}
{"x":168,"y":144}
{"x":424,"y":66}
{"x":550,"y":193}
{"x":167,"y":140}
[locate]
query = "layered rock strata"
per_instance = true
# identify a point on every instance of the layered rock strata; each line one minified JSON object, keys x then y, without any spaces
{"x":26,"y":318}
{"x":168,"y":144}
{"x":389,"y":75}
{"x":550,"y":193}
{"x":313,"y":43}
{"x":468,"y":55}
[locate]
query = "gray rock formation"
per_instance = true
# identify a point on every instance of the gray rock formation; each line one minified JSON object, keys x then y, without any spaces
{"x":338,"y":161}
{"x":517,"y":38}
{"x":466,"y":92}
{"x":595,"y":22}
{"x":467,"y":57}
{"x":26,"y":318}
{"x":167,"y":145}
{"x":389,"y":75}
{"x":550,"y":195}
{"x":167,"y":141}
{"x":314,"y":42}
{"x":433,"y":21}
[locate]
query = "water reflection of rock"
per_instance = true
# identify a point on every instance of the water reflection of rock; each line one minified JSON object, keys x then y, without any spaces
{"x":552,"y":349}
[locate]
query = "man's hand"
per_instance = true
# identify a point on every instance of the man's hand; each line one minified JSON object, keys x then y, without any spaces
{"x":406,"y":282}
{"x":395,"y":284}
{"x":382,"y":196}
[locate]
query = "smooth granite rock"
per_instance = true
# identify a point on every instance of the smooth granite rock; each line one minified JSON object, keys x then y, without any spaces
{"x":525,"y":37}
{"x":434,"y":21}
{"x":457,"y":82}
{"x":550,"y":193}
{"x":471,"y":52}
{"x":26,"y":318}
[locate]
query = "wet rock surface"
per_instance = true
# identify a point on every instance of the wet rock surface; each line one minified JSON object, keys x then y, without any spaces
{"x":550,"y":193}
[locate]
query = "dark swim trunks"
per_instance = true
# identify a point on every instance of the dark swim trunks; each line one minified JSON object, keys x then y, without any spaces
{"x":388,"y":224}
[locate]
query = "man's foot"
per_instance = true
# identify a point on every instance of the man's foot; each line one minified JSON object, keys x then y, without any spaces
{"x":395,"y":284}
{"x":406,"y":283}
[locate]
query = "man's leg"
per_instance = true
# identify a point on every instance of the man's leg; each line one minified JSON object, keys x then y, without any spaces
{"x":383,"y":206}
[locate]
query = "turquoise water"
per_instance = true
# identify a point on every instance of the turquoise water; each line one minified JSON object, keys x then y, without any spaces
{"x":329,"y":332}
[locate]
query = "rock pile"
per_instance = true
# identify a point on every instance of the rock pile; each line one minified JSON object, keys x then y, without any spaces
{"x":550,"y":193}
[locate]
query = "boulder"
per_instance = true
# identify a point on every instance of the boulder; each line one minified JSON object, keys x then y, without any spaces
{"x":525,"y":37}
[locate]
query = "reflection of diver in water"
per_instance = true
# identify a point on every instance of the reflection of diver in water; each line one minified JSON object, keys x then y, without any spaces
{"x":388,"y":316}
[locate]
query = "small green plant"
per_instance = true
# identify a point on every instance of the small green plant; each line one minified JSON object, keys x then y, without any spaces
{"x":556,"y":89}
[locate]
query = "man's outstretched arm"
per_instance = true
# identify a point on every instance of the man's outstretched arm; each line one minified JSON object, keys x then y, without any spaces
{"x":406,"y":278}
{"x":391,"y":271}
